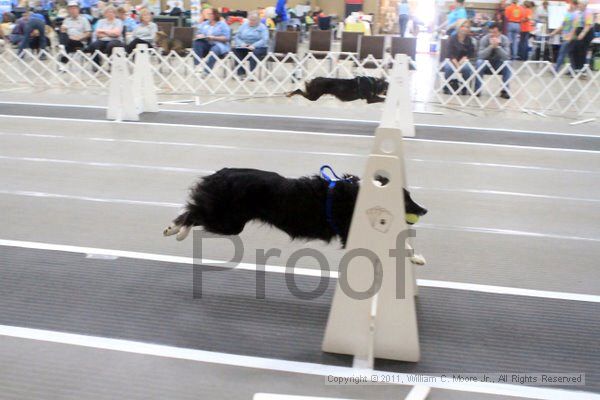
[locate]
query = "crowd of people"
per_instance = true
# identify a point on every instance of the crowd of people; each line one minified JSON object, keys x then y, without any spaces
{"x":98,"y":27}
{"x":508,"y":39}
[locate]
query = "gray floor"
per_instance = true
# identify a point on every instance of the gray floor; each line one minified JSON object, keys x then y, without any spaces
{"x":499,"y":215}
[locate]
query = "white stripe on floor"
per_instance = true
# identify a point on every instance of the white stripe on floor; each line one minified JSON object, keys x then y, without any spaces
{"x":92,"y":251}
{"x":128,"y":346}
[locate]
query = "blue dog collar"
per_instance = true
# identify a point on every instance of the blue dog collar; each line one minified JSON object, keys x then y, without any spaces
{"x":329,"y":201}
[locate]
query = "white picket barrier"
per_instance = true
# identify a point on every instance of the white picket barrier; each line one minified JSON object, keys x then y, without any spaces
{"x":121,"y":97}
{"x":378,"y":323}
{"x":143,"y":81}
{"x":131,"y":95}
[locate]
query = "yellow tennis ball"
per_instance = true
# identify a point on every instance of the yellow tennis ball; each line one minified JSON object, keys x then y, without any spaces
{"x":412,"y":218}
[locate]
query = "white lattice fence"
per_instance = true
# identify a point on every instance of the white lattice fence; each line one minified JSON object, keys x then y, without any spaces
{"x":532,"y":86}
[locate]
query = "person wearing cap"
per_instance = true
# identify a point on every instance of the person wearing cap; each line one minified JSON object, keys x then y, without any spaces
{"x":74,"y":31}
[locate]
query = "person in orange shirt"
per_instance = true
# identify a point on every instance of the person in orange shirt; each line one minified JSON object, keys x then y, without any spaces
{"x":514,"y":17}
{"x":527,"y":26}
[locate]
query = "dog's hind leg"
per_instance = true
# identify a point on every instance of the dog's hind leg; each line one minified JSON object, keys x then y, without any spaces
{"x":296,"y":92}
{"x":183,"y":233}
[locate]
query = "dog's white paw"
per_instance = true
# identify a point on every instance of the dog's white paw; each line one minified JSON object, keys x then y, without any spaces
{"x":183,"y":232}
{"x":171,"y":230}
{"x":417,"y":259}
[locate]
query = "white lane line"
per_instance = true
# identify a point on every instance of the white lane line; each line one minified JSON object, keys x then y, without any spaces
{"x":511,"y":146}
{"x":270,"y":131}
{"x":288,"y":132}
{"x":88,"y":198}
{"x":368,"y":121}
{"x":488,"y":129}
{"x":92,"y":251}
{"x":455,"y":228}
{"x":128,"y":346}
{"x":326,"y":153}
{"x":504,"y":193}
{"x":107,"y":164}
{"x":206,"y":171}
{"x":509,"y":232}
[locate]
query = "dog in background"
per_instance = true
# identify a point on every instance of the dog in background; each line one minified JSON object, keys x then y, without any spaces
{"x":361,"y":87}
{"x":222,"y":203}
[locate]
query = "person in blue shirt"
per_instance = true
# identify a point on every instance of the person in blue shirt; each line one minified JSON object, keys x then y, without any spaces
{"x":87,"y":5}
{"x":212,"y":35}
{"x":456,"y":17}
{"x":252,"y":37}
{"x":404,"y":16}
{"x":35,"y":22}
{"x":282,"y":15}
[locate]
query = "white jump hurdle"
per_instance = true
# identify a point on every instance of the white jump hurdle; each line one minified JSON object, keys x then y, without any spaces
{"x":383,"y":325}
{"x":129,"y":96}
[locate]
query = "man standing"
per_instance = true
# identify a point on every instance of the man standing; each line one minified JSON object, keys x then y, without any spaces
{"x":514,"y":16}
{"x":282,"y":15}
{"x":494,"y":48}
{"x":74,"y":31}
{"x":403,"y":16}
{"x":567,"y":28}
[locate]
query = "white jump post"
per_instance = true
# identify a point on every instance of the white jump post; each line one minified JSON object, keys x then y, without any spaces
{"x":383,"y":325}
{"x":129,"y":96}
{"x":121,"y":104}
{"x":143,"y":81}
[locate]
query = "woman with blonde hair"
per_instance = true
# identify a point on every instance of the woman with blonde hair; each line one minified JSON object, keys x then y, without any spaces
{"x":145,"y":32}
{"x":108,"y":34}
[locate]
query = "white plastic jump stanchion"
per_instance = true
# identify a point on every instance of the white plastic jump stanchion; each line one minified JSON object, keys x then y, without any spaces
{"x":383,"y":325}
{"x":121,"y":98}
{"x":143,"y":81}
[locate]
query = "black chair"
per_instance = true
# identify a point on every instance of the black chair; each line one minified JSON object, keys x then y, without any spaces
{"x":320,"y":43}
{"x":371,"y":46}
{"x":185,"y":35}
{"x":350,"y":44}
{"x":404,"y":45}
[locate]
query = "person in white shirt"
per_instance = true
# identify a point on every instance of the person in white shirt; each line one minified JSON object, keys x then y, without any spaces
{"x":144,"y":33}
{"x":74,"y":31}
{"x":108,"y":34}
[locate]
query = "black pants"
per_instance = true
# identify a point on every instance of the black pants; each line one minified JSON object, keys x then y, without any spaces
{"x":71,"y":46}
{"x":580,"y":48}
{"x":105,"y":47}
{"x":131,"y":46}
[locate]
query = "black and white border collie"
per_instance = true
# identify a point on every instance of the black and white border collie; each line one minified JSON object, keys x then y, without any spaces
{"x":222,"y":203}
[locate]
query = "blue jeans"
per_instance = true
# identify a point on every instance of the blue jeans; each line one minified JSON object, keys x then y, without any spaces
{"x":403,"y":23}
{"x":241,"y":53}
{"x":202,"y":47}
{"x":506,"y":74}
{"x":33,"y":24}
{"x":281,"y":26}
{"x":514,"y":29}
{"x":466,"y":70}
{"x":524,"y":46}
{"x":565,"y":49}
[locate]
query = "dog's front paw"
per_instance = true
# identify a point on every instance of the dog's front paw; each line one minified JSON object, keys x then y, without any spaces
{"x":417,"y":259}
{"x":171,"y":230}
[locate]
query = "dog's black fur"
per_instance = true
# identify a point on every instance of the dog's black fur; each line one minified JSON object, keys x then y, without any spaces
{"x":225,"y":201}
{"x":361,"y":87}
